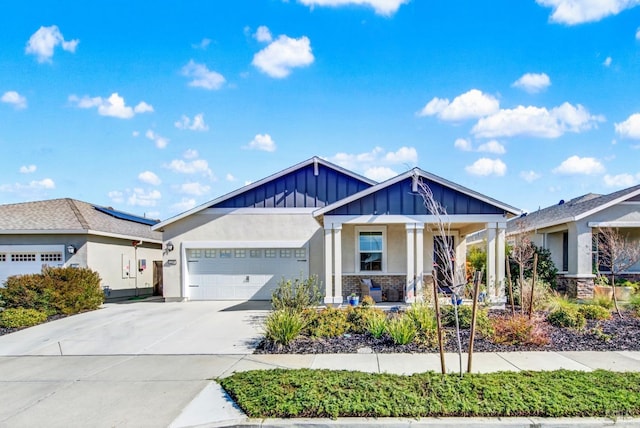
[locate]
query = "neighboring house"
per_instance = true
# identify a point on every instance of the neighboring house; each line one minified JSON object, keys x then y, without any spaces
{"x":121,"y":247}
{"x":316,"y":218}
{"x":567,"y":231}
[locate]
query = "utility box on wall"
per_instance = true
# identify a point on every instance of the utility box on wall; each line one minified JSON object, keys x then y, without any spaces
{"x":142,"y":264}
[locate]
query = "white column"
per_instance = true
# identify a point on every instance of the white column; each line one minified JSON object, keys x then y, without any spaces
{"x":328,"y":266}
{"x":491,"y":261}
{"x":500,"y":262}
{"x":409,"y":291}
{"x":337,"y":263}
{"x":419,"y":260}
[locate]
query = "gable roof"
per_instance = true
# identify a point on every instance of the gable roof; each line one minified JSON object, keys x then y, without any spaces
{"x":395,"y":196}
{"x":313,"y":183}
{"x":573,"y":210}
{"x":69,"y":216}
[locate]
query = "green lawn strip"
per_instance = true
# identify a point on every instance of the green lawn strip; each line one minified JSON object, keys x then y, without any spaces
{"x":309,"y":393}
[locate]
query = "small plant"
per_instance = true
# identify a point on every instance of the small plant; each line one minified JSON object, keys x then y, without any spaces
{"x":600,"y":334}
{"x":21,"y":317}
{"x":367,"y":301}
{"x":329,"y":322}
{"x":377,"y":325}
{"x":281,"y":327}
{"x":402,"y":330}
{"x":519,"y":330}
{"x":296,"y":295}
{"x":424,"y":318}
{"x":634,"y":304}
{"x":567,"y":316}
{"x":358,"y":317}
{"x":465,"y":314}
{"x":594,"y":312}
{"x":602,"y":301}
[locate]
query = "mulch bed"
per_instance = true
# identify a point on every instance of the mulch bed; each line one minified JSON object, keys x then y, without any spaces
{"x":615,"y":334}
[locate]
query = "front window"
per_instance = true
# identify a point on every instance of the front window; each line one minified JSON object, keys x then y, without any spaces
{"x":371,"y":250}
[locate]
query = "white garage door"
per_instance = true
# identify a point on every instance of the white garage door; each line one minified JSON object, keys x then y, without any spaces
{"x":242,"y":273}
{"x":24,"y":259}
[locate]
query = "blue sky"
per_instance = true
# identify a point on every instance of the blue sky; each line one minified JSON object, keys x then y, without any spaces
{"x":154,"y":109}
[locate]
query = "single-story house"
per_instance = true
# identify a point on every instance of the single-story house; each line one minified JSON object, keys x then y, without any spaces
{"x":317,"y":218}
{"x":121,"y":247}
{"x":567,"y":231}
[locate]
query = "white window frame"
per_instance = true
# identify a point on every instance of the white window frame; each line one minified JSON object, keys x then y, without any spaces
{"x":381,"y":229}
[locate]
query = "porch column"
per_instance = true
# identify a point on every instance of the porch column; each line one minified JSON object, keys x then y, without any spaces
{"x":409,"y":291}
{"x":419,"y":260}
{"x":337,"y":263}
{"x":500,"y":263}
{"x":491,"y":261}
{"x":328,"y":266}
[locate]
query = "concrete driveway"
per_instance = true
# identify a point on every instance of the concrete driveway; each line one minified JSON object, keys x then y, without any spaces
{"x":146,"y":328}
{"x":135,"y":364}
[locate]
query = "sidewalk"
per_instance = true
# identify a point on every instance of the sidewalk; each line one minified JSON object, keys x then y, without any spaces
{"x":212,"y":408}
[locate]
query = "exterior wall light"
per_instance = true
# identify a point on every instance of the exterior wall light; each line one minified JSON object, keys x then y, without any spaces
{"x":169,"y":246}
{"x":71,"y":249}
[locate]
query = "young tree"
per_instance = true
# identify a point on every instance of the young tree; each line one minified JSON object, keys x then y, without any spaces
{"x":522,"y":253}
{"x":617,"y":253}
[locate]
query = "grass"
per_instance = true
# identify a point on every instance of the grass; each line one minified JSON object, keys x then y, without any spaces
{"x":309,"y":393}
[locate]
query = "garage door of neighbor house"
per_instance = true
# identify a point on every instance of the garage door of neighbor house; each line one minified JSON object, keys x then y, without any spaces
{"x":23,"y":259}
{"x":242,"y":273}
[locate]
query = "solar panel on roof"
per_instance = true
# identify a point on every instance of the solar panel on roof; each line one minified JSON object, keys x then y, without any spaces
{"x":125,"y":216}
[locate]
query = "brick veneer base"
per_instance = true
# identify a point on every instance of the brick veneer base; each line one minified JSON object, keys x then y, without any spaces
{"x":351,"y":284}
{"x":582,"y":288}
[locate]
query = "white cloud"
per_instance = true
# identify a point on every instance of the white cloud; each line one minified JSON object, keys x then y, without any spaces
{"x":262,"y":142}
{"x":533,"y":82}
{"x":463,"y":144}
{"x":629,"y":128}
{"x":404,"y":155}
{"x":536,"y":122}
{"x":285,"y":53}
{"x":576,"y":165}
{"x":149,"y":178}
{"x":263,"y":34}
{"x":492,"y":147}
{"x":12,"y":97}
{"x":529,"y":176}
{"x":27,"y":169}
{"x":203,"y":44}
{"x":161,"y":142}
{"x":572,"y":12}
{"x":382,"y":7}
{"x":607,"y":61}
{"x":486,"y":166}
{"x":139,"y":197}
{"x":191,"y":154}
{"x":470,"y":105}
{"x":135,"y":134}
{"x":194,"y":188}
{"x":32,"y":186}
{"x":230,"y":177}
{"x":184,"y":205}
{"x":42,"y":43}
{"x":379,"y":173}
{"x":638,"y":34}
{"x":114,"y":106}
{"x":202,"y":77}
{"x":621,"y":180}
{"x":197,"y":124}
{"x":195,"y":166}
{"x":116,"y":196}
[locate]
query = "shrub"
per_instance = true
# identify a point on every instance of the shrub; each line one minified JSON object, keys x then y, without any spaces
{"x":282,"y":326}
{"x":518,"y":330}
{"x":542,"y":295}
{"x":358,"y":317}
{"x":367,"y":301}
{"x":465,"y":314}
{"x":21,"y":317}
{"x":602,"y":301}
{"x":329,"y":322}
{"x":424,"y":318}
{"x":634,"y":304}
{"x":63,"y":290}
{"x":547,"y":270}
{"x":402,"y":330}
{"x":594,"y":312}
{"x":296,"y":295}
{"x":377,"y":325}
{"x":567,"y":316}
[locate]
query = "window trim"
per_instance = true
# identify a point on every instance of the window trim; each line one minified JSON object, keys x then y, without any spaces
{"x":381,"y":229}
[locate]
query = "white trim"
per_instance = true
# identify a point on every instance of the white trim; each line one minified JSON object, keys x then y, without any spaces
{"x":613,"y":224}
{"x":608,"y":204}
{"x":17,"y":248}
{"x":80,"y":232}
{"x":580,"y":276}
{"x":359,"y":229}
{"x":243,"y":244}
{"x":256,"y":211}
{"x":403,"y":219}
{"x":126,"y":237}
{"x":630,"y":203}
{"x":313,"y":161}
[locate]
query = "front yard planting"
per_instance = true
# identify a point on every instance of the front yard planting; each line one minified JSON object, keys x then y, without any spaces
{"x":323,"y":393}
